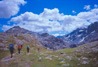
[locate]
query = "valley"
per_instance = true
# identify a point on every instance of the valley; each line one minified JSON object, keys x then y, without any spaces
{"x":50,"y":51}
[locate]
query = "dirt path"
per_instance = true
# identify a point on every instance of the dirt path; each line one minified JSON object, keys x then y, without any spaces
{"x":5,"y":61}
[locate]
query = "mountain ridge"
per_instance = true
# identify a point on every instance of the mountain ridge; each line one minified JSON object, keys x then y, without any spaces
{"x":83,"y":35}
{"x":43,"y":39}
{"x":77,"y":37}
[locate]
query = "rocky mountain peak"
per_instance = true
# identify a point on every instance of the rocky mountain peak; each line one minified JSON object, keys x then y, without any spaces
{"x":45,"y":34}
{"x":93,"y":27}
{"x":84,"y":35}
{"x":18,"y":30}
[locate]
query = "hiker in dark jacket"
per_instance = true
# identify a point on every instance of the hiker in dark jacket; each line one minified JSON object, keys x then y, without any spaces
{"x":38,"y":49}
{"x":28,"y":48}
{"x":11,"y":48}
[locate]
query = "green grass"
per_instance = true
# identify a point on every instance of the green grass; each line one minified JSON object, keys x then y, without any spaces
{"x":3,"y":53}
{"x":59,"y":58}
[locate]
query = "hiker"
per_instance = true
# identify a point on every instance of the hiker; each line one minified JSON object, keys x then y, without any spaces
{"x":38,"y":49}
{"x":19,"y":48}
{"x":11,"y":48}
{"x":28,"y":48}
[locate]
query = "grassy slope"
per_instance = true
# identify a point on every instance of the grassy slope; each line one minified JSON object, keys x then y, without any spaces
{"x":3,"y":54}
{"x":47,"y":58}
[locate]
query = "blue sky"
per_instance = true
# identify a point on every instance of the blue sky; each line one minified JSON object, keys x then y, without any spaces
{"x":57,"y":17}
{"x":65,"y":6}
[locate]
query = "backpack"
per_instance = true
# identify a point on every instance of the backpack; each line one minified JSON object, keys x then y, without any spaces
{"x":19,"y":47}
{"x":28,"y":47}
{"x":11,"y":46}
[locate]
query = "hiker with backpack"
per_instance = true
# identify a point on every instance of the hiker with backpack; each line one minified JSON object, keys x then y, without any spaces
{"x":28,"y":48}
{"x":38,"y":49}
{"x":19,"y":48}
{"x":11,"y":48}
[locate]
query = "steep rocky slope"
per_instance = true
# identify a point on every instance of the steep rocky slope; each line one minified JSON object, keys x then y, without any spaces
{"x":84,"y":35}
{"x":18,"y":35}
{"x":52,"y":42}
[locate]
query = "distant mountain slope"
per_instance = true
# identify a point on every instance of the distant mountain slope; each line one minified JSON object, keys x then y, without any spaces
{"x":52,"y":42}
{"x":75,"y":38}
{"x":84,"y":35}
{"x":20,"y":35}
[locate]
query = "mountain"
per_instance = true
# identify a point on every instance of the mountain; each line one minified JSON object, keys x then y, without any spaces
{"x":52,"y":42}
{"x":18,"y":35}
{"x":84,"y":35}
{"x":92,"y":32}
{"x":18,"y":30}
{"x":78,"y":37}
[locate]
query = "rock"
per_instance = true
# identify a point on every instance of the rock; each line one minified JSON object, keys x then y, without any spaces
{"x":85,"y":62}
{"x":40,"y":59}
{"x":84,"y":58}
{"x":79,"y":59}
{"x":69,"y":57}
{"x":49,"y":57}
{"x":65,"y":65}
{"x":3,"y":47}
{"x":56,"y":56}
{"x":62,"y":62}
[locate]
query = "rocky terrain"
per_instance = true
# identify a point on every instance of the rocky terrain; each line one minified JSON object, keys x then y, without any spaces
{"x":18,"y":35}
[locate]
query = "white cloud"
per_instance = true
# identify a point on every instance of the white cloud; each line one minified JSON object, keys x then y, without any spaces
{"x":10,"y":8}
{"x":6,"y":27}
{"x":90,"y":16}
{"x":95,"y":5}
{"x":73,"y":11}
{"x":87,"y":7}
{"x":52,"y":14}
{"x":47,"y":21}
{"x":50,"y":20}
